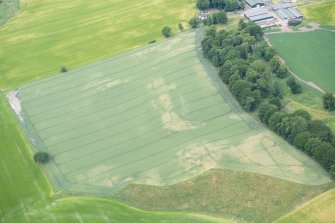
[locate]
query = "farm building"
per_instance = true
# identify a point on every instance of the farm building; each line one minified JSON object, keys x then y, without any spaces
{"x":281,"y":6}
{"x":289,"y":13}
{"x":258,"y":15}
{"x":203,"y":15}
{"x":255,"y":3}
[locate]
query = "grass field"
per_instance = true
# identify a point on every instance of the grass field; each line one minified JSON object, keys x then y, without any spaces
{"x":323,"y":13}
{"x":47,"y":35}
{"x":27,"y":196}
{"x":241,"y":196}
{"x":318,"y":210}
{"x":150,"y":116}
{"x":310,"y":55}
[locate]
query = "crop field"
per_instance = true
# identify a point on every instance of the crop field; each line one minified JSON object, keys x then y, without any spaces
{"x":27,"y":196}
{"x":314,"y":63}
{"x":322,"y":13}
{"x":150,"y":116}
{"x":46,"y":35}
{"x":318,"y":210}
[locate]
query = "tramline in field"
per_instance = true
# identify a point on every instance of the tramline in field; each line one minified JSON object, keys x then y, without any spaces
{"x":151,"y":116}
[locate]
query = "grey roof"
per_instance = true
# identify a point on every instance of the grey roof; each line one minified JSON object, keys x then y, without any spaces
{"x":258,"y":15}
{"x":261,"y":17}
{"x":254,"y":2}
{"x":289,"y":13}
{"x":255,"y":12}
{"x":281,"y":6}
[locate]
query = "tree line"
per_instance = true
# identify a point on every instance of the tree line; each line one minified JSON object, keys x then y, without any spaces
{"x":248,"y":66}
{"x":227,"y":5}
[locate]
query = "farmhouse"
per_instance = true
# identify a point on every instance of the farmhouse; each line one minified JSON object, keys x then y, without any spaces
{"x":255,"y":3}
{"x":203,"y":15}
{"x":258,"y":15}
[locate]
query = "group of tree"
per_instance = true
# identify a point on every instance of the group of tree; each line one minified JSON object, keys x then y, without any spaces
{"x":311,"y":136}
{"x":219,"y":17}
{"x":41,"y":157}
{"x":167,"y":31}
{"x":248,"y":66}
{"x":329,"y":101}
{"x":242,"y":61}
{"x":295,"y":87}
{"x":227,"y":5}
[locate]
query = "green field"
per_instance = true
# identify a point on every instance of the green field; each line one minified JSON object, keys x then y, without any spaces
{"x":27,"y":196}
{"x":310,"y":55}
{"x":322,"y":13}
{"x":47,"y":35}
{"x":150,"y":116}
{"x":318,"y":210}
{"x":236,"y":195}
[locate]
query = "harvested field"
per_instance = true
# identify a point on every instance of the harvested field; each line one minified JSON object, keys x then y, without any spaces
{"x":150,"y":116}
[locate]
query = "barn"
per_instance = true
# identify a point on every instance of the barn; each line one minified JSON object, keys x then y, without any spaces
{"x":287,"y":11}
{"x":255,"y":3}
{"x":258,"y":15}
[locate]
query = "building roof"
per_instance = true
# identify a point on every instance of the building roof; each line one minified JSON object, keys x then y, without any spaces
{"x":253,"y":3}
{"x":281,"y":6}
{"x":262,"y":17}
{"x":255,"y":12}
{"x":258,"y":15}
{"x":289,"y":13}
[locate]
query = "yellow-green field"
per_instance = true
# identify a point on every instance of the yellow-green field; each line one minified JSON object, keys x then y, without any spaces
{"x":319,"y":210}
{"x":322,"y":13}
{"x":151,"y":116}
{"x":47,"y":35}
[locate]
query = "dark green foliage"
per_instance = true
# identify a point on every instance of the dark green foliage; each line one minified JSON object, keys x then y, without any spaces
{"x":41,"y":157}
{"x":242,"y":24}
{"x":227,"y":5}
{"x":219,"y":18}
{"x":277,"y":91}
{"x":238,"y":87}
{"x":254,"y":30}
{"x":194,"y":22}
{"x":166,"y":31}
{"x":203,"y":4}
{"x":302,"y":113}
{"x":321,"y":130}
{"x":277,"y":102}
{"x":294,"y":86}
{"x":275,"y":63}
{"x":311,"y":144}
{"x":211,"y":31}
{"x":180,"y":27}
{"x":264,"y":86}
{"x":250,"y":99}
{"x":246,"y":64}
{"x":63,"y":69}
{"x":301,"y":139}
{"x":282,"y":71}
{"x":265,"y":111}
{"x":275,"y":120}
{"x":152,"y":41}
{"x":329,"y":101}
{"x":332,"y":170}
